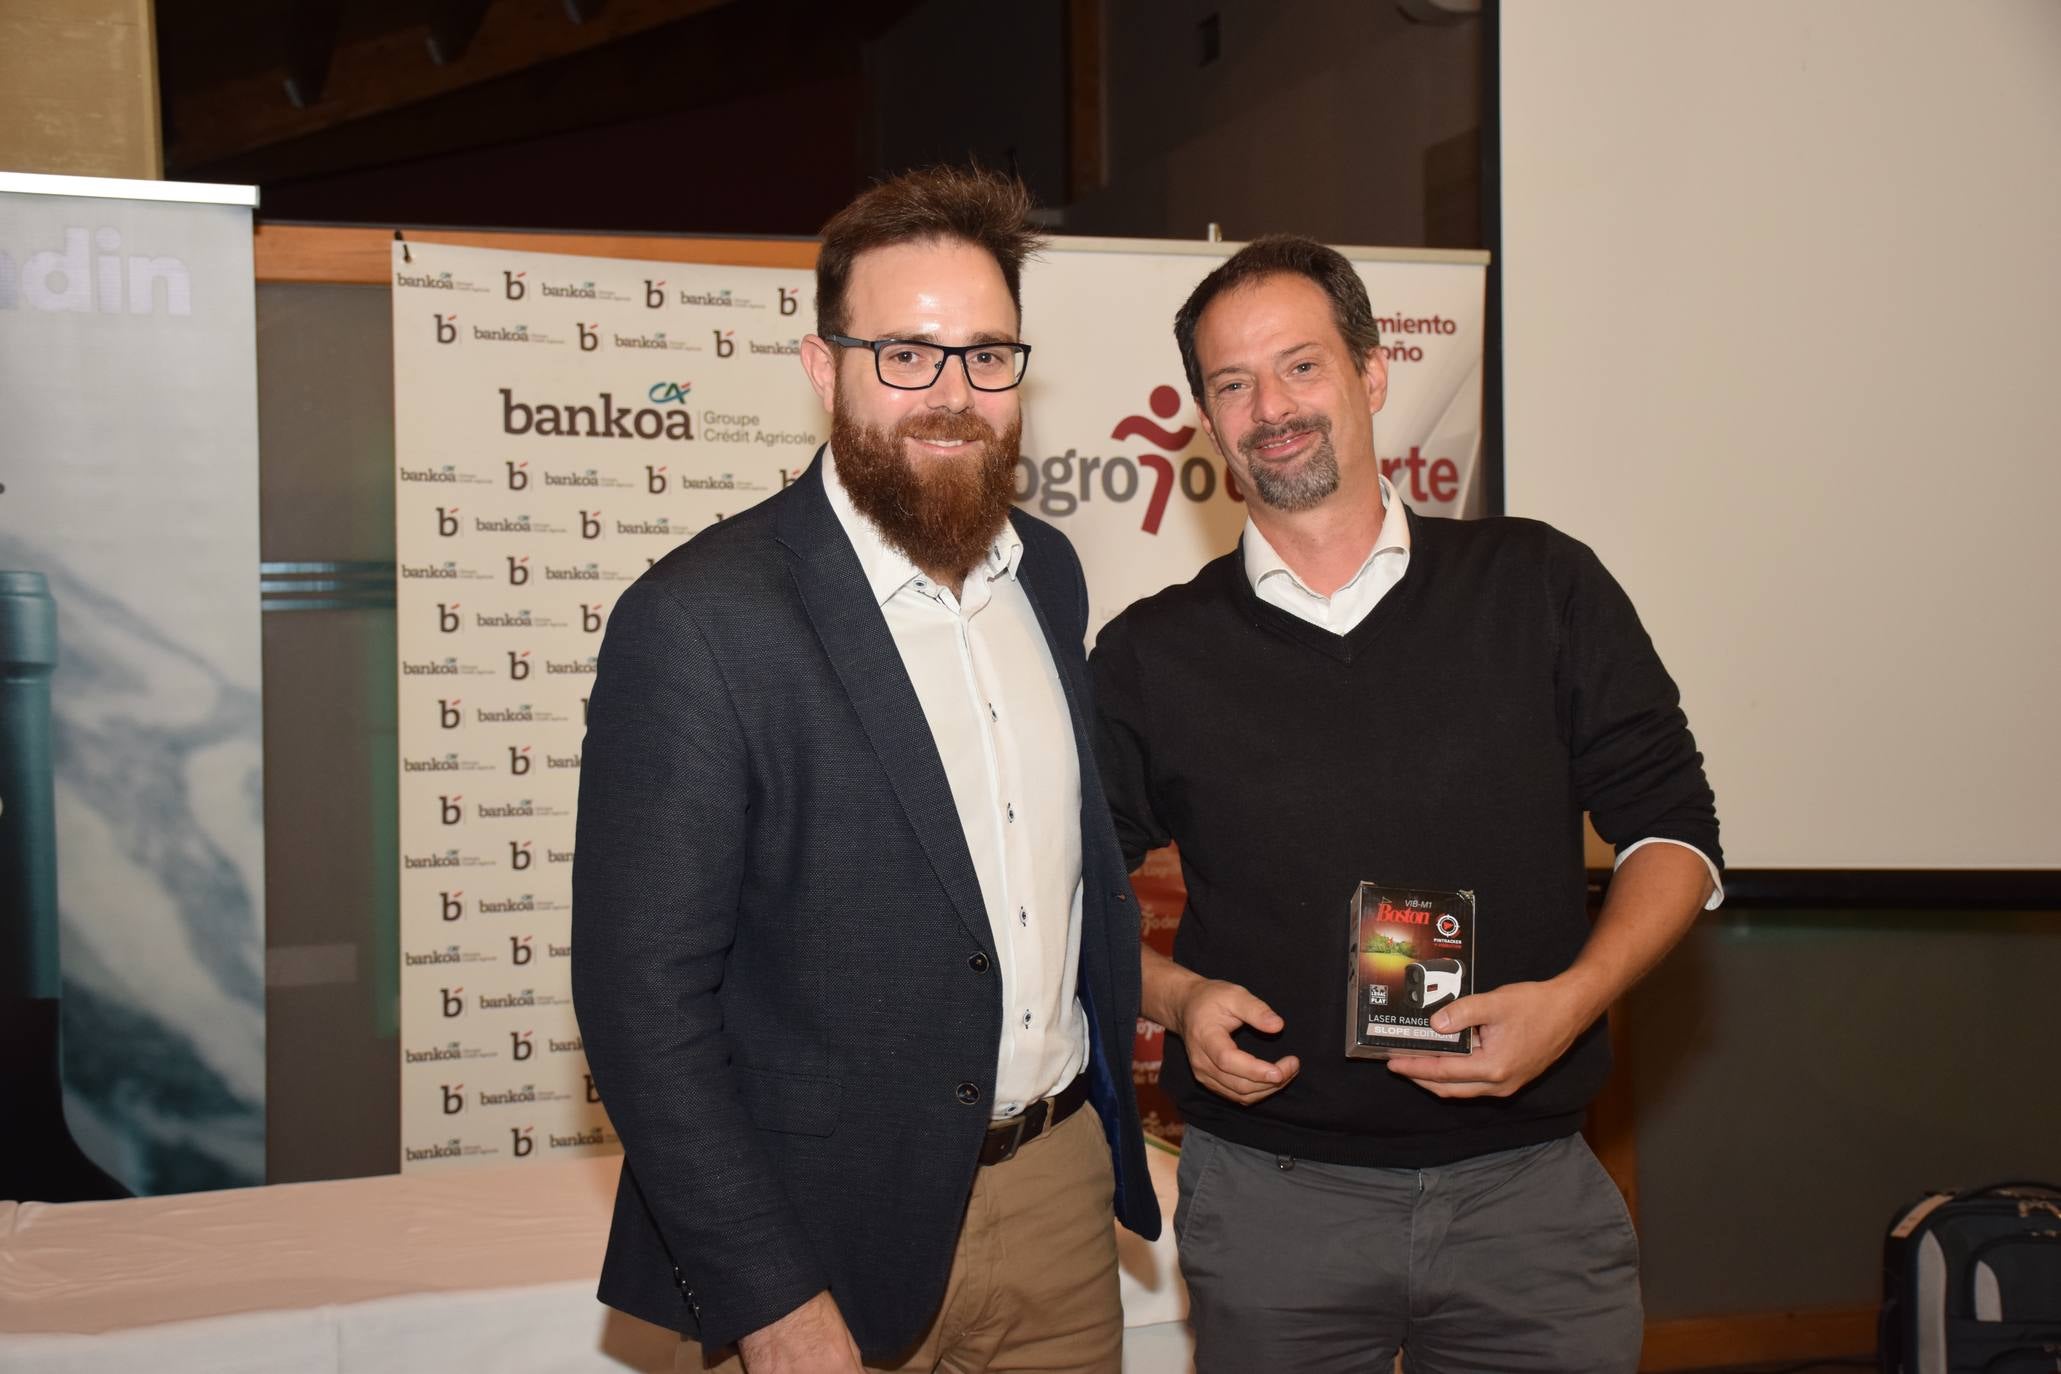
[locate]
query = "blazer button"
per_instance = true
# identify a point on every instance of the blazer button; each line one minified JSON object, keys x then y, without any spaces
{"x":969,"y":1093}
{"x":978,"y":963}
{"x":1123,"y":896}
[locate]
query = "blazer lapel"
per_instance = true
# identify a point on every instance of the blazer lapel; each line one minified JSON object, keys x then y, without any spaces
{"x":855,"y":636}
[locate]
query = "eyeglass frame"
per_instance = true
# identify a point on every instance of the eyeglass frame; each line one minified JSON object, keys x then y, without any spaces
{"x":949,"y":351}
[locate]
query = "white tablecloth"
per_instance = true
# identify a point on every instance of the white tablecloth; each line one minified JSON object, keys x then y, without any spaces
{"x":484,"y":1269}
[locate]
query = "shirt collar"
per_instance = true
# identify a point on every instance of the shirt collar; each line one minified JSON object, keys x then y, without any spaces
{"x":1262,"y":562}
{"x":887,"y":568}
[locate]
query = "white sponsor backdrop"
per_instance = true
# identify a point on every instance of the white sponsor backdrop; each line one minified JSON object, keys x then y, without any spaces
{"x":129,"y":479}
{"x":562,"y":421}
{"x":559,"y":423}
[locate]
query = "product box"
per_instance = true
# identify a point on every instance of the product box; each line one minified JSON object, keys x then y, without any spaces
{"x":1409,"y":952}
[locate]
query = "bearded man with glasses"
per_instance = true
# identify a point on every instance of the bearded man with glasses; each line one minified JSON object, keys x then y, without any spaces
{"x":853,"y":937}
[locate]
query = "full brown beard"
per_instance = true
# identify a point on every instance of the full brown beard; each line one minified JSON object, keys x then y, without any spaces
{"x":945,"y":517}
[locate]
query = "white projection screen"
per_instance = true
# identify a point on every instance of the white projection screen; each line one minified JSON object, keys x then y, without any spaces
{"x":1781,"y":301}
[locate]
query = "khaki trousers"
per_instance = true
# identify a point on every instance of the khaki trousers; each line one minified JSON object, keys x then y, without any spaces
{"x":1033,"y":1284}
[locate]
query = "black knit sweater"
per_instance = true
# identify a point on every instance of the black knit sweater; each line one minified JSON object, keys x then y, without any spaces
{"x":1452,"y":739}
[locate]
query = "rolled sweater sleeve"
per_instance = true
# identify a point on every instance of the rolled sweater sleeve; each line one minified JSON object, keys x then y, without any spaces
{"x":1635,"y":765}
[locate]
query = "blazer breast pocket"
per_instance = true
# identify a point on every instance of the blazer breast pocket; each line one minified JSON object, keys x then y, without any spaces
{"x":792,"y":1103}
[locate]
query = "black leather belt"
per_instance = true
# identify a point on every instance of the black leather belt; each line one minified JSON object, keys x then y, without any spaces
{"x":1005,"y":1138}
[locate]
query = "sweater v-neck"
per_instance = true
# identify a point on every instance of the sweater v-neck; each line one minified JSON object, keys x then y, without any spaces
{"x":1356,"y":641}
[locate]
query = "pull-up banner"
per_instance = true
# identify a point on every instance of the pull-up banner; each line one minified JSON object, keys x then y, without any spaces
{"x":561,"y":422}
{"x":131,"y":738}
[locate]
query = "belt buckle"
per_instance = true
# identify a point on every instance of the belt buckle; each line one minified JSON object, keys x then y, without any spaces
{"x":1016,"y":1138}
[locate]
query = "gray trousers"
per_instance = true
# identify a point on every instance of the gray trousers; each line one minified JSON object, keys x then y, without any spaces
{"x":1518,"y":1261}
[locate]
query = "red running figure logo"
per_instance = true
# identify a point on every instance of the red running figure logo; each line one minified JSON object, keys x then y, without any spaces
{"x":1165,"y":403}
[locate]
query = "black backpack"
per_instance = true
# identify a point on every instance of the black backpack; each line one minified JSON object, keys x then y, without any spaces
{"x":1971,"y":1283}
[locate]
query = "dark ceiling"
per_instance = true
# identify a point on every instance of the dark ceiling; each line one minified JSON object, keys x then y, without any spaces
{"x":720,"y":115}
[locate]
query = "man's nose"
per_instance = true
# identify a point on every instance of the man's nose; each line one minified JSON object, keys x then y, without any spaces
{"x":1271,"y":403}
{"x":953,"y":390}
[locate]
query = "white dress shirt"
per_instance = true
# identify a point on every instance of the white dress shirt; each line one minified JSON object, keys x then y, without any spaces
{"x":1275,"y":583}
{"x":997,"y":713}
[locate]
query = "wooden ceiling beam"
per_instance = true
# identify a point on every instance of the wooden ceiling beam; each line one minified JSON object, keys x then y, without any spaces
{"x":617,"y":84}
{"x":455,"y":26}
{"x":392,"y":70}
{"x":310,"y":44}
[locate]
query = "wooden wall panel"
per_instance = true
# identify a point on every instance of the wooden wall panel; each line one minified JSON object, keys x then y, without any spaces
{"x":78,"y":89}
{"x":1839,"y":1333}
{"x":318,"y":253}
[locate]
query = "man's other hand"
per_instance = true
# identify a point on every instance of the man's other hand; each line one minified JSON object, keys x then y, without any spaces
{"x":1209,"y":1011}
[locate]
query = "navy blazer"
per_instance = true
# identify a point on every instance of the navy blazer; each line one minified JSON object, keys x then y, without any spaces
{"x":775,"y":924}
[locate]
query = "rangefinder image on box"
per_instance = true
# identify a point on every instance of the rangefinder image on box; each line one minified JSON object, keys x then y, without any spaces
{"x":1409,"y":952}
{"x":1430,"y":984}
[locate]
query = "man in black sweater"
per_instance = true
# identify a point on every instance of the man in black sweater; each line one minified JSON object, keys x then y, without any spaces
{"x":1360,"y":693}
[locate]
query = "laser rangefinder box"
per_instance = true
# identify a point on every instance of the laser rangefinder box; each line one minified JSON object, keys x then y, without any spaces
{"x":1410,"y":951}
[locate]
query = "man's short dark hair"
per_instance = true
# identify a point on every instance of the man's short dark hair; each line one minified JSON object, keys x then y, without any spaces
{"x":1276,"y":255}
{"x":969,"y":204}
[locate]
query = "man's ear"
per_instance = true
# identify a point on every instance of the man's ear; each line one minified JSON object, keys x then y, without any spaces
{"x":1375,"y":375}
{"x":819,"y":361}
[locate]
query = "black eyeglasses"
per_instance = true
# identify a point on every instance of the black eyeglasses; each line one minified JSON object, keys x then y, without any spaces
{"x":909,"y":366}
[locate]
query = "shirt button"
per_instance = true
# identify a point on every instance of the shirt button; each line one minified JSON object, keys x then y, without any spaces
{"x":978,"y":963}
{"x":1012,"y":813}
{"x":1026,"y":1020}
{"x":969,"y":1093}
{"x":991,"y":712}
{"x":1022,"y":917}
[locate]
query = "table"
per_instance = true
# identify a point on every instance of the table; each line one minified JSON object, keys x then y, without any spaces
{"x":480,"y":1269}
